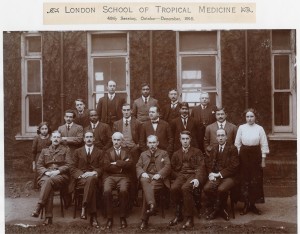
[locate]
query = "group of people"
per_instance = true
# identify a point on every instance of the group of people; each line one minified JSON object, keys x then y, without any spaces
{"x":177,"y":151}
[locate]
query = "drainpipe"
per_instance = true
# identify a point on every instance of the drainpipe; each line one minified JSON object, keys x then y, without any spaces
{"x":151,"y":62}
{"x":246,"y":72}
{"x":62,"y":95}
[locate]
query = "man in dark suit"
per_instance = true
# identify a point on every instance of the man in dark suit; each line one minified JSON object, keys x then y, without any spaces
{"x":130,"y":128}
{"x":117,"y":164}
{"x":223,"y":166}
{"x":158,"y":127}
{"x":102,"y":131}
{"x":204,"y":114}
{"x":142,"y":105}
{"x":71,"y":132}
{"x":188,"y":167}
{"x":152,"y":169}
{"x":210,"y":138}
{"x":171,"y":110}
{"x":109,"y":106}
{"x":53,"y":174}
{"x":82,"y":114}
{"x":86,"y":170}
{"x":184,"y":122}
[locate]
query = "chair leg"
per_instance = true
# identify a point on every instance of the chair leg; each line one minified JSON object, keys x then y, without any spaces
{"x":61,"y":204}
{"x":75,"y":203}
{"x":232,"y":206}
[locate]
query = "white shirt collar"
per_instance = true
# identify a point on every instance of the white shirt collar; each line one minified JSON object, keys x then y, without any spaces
{"x":223,"y":146}
{"x":223,"y":124}
{"x":129,"y":119}
{"x":203,"y":107}
{"x":96,"y":124}
{"x":71,"y":124}
{"x":111,"y":96}
{"x":157,"y":120}
{"x":147,"y":98}
{"x":87,"y":148}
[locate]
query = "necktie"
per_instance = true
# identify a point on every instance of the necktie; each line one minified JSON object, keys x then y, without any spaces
{"x":110,"y":97}
{"x":118,"y":152}
{"x":173,"y":106}
{"x":68,"y":127}
{"x":221,"y":149}
{"x":126,"y":123}
{"x":221,"y":126}
{"x":184,"y":122}
{"x":94,"y":126}
{"x":89,"y":155}
{"x":146,"y":100}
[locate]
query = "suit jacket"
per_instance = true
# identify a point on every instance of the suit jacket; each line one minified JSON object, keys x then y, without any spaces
{"x":123,"y":163}
{"x":79,"y":162}
{"x":163,"y":133}
{"x":167,"y":110}
{"x":209,"y":112}
{"x":135,"y":128}
{"x":177,"y":127}
{"x":210,"y":138}
{"x":162,"y":163}
{"x":227,"y":163}
{"x":196,"y":162}
{"x":102,"y":107}
{"x":140,"y":110}
{"x":74,"y":135}
{"x":82,"y":119}
{"x":102,"y":135}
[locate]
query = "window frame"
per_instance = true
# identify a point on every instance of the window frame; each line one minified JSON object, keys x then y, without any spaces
{"x":199,"y":53}
{"x":90,"y":58}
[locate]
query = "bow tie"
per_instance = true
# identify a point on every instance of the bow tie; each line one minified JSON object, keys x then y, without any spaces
{"x":154,"y":122}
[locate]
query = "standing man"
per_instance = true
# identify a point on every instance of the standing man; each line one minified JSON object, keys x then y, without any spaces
{"x":102,"y":131}
{"x":117,"y":165}
{"x":223,"y":165}
{"x":53,"y":174}
{"x":189,"y":169}
{"x":153,"y":169}
{"x":129,"y":126}
{"x":204,"y":114}
{"x":109,"y":106}
{"x":85,"y":167}
{"x":71,"y":132}
{"x":172,"y":109}
{"x":210,"y":138}
{"x":82,"y":114}
{"x":158,"y":127}
{"x":142,"y":105}
{"x":184,"y":123}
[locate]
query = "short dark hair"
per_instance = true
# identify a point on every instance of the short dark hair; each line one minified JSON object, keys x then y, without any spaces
{"x":173,"y":89}
{"x":185,"y":132}
{"x":157,"y":108}
{"x":38,"y":131}
{"x":79,"y":100}
{"x":222,"y":129}
{"x":186,"y":104}
{"x":221,"y":109}
{"x":88,"y":131}
{"x":126,"y":104}
{"x":71,"y":111}
{"x":251,"y":110}
{"x":145,"y":84}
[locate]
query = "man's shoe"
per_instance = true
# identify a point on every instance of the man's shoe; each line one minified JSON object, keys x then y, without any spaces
{"x":212,"y":215}
{"x":37,"y":211}
{"x":83,"y":213}
{"x":189,"y":223}
{"x":48,"y":221}
{"x":225,"y":214}
{"x":109,"y":223}
{"x":254,"y":210}
{"x":144,"y":224}
{"x":245,"y":209}
{"x":123,"y":223}
{"x":94,"y":222}
{"x":176,"y":220}
{"x":151,"y":210}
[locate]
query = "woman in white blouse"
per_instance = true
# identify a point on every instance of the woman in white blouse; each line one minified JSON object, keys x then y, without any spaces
{"x":252,"y":144}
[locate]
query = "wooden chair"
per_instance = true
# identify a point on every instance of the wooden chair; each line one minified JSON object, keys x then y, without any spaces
{"x":60,"y":194}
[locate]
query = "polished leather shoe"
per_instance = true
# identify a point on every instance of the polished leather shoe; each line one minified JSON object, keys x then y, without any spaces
{"x":109,"y":223}
{"x":254,"y":210}
{"x":48,"y":220}
{"x":123,"y":223}
{"x":245,"y":209}
{"x":176,"y":220}
{"x":94,"y":222}
{"x":151,"y":210}
{"x":189,"y":223}
{"x":37,"y":211}
{"x":224,"y":214}
{"x":144,"y":225}
{"x":212,"y":215}
{"x":83,"y":213}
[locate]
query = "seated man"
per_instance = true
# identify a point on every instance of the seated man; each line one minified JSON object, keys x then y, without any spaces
{"x":189,"y":169}
{"x":85,"y":167}
{"x":117,"y":165}
{"x":223,"y":166}
{"x":153,"y":169}
{"x":53,"y":174}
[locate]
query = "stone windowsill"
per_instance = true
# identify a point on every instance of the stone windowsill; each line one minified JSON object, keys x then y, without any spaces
{"x":282,"y":137}
{"x":25,"y":137}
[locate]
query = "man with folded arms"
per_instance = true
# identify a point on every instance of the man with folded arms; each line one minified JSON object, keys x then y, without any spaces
{"x":85,"y":166}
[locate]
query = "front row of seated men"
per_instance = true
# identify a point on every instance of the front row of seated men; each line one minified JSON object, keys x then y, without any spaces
{"x":90,"y":166}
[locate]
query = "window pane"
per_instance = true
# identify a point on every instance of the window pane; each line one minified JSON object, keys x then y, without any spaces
{"x":282,"y":109}
{"x":106,"y":43}
{"x":197,"y":41}
{"x":281,"y":40}
{"x":33,"y":44}
{"x":33,"y":76}
{"x":198,"y":72}
{"x":35,"y":110}
{"x":281,"y":72}
{"x":193,"y":98}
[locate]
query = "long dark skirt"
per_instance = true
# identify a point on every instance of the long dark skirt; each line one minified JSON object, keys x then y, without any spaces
{"x":251,"y":174}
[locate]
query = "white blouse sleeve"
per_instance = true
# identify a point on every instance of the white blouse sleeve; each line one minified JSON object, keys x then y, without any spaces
{"x":238,"y":139}
{"x":263,"y":142}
